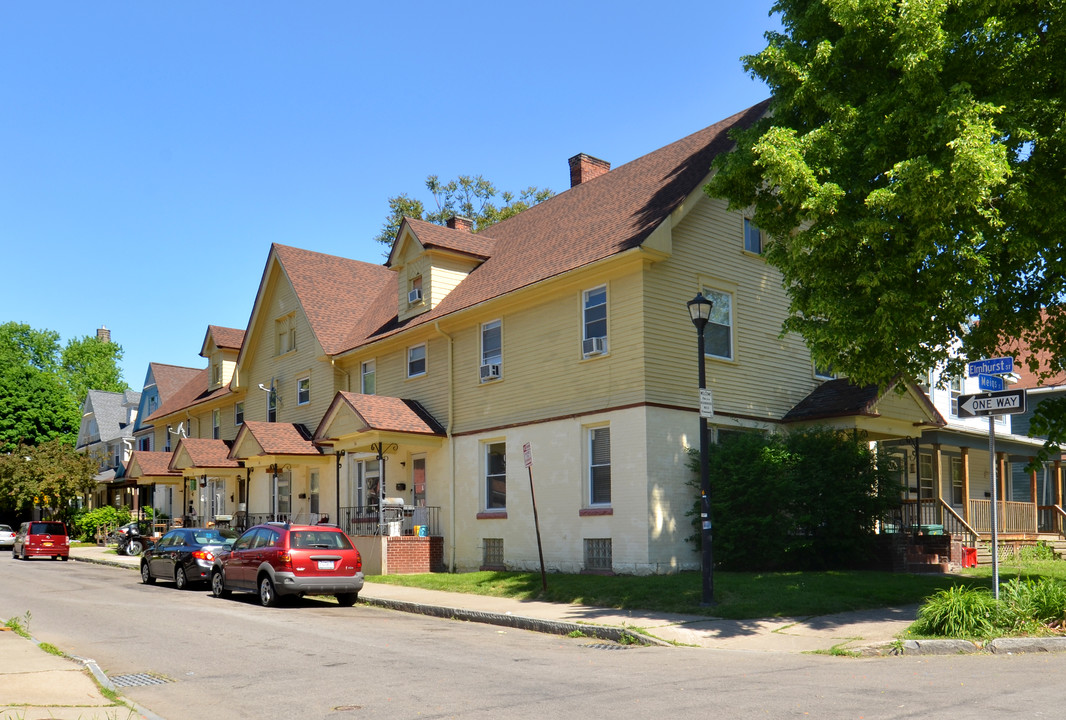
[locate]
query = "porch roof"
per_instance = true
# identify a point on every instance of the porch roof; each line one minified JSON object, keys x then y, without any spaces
{"x":370,"y":418}
{"x":257,"y":438}
{"x":147,"y":464}
{"x":1016,"y":446}
{"x":900,"y":410}
{"x":202,"y":453}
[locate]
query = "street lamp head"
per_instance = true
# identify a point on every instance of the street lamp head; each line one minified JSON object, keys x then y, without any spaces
{"x":699,"y":309}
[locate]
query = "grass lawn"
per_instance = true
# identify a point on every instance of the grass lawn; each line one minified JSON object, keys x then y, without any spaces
{"x":739,"y":595}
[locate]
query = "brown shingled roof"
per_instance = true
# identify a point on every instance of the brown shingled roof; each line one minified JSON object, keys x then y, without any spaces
{"x":194,"y":392}
{"x":152,"y":463}
{"x":835,"y":398}
{"x":226,"y":338}
{"x":389,"y":414}
{"x":334,"y":291}
{"x":594,"y":220}
{"x":280,"y":438}
{"x":169,"y":379}
{"x":432,"y":235}
{"x":206,"y":453}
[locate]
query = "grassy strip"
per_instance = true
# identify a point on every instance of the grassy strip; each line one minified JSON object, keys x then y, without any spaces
{"x":739,"y":595}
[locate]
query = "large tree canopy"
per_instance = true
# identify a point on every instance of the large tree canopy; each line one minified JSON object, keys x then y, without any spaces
{"x":910,"y":172}
{"x":42,"y":388}
{"x":45,"y":475}
{"x":472,"y":197}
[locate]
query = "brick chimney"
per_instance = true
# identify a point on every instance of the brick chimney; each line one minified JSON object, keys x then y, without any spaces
{"x":103,"y":334}
{"x":585,"y":167}
{"x":457,"y":222}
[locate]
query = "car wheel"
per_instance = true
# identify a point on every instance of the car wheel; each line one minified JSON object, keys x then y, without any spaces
{"x":347,"y":599}
{"x":146,"y":574}
{"x":268,"y":596}
{"x":24,"y":555}
{"x":64,"y":558}
{"x":181,"y":580}
{"x":218,"y":585}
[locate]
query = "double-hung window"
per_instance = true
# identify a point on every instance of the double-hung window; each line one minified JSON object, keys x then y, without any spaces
{"x":594,"y":322}
{"x":955,"y":388}
{"x":495,"y":475}
{"x":369,"y":377}
{"x":272,"y":405}
{"x":238,"y":414}
{"x":718,"y":334}
{"x":599,"y":477}
{"x":752,"y":237}
{"x":416,"y":360}
{"x":491,"y":351}
{"x":216,"y":424}
{"x":303,"y":391}
{"x":285,"y":334}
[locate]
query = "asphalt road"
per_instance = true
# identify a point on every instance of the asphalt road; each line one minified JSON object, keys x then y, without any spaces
{"x":234,"y":659}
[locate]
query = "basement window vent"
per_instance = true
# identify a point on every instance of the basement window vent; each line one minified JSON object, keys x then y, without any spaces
{"x":492,"y":552}
{"x":598,"y":555}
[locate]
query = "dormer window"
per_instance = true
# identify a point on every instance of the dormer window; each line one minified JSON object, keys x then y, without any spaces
{"x":216,"y":372}
{"x":414,"y":294}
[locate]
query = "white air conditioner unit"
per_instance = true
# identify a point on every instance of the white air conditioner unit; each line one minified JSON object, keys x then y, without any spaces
{"x":490,"y":371}
{"x":414,"y":296}
{"x":594,"y":346}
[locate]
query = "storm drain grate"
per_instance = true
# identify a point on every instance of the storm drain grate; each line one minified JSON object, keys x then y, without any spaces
{"x":138,"y":680}
{"x":606,"y":646}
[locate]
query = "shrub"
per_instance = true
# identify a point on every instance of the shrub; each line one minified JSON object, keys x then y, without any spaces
{"x":88,"y":521}
{"x":958,"y":611}
{"x":803,"y":500}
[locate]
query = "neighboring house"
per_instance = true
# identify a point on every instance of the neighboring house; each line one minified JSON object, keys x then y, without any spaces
{"x":106,"y":434}
{"x":392,"y":397}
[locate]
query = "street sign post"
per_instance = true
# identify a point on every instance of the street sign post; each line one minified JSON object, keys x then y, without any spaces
{"x":990,"y":366}
{"x":1005,"y":402}
{"x":991,"y":382}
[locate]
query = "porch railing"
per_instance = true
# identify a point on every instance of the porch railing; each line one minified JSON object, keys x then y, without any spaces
{"x":367,"y":520}
{"x":1014,"y":517}
{"x":243,"y":521}
{"x":914,"y":516}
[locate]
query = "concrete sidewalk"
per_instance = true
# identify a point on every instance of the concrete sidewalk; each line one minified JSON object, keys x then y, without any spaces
{"x":866,"y":632}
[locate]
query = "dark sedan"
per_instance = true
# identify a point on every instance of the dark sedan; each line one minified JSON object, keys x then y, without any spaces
{"x":184,"y":555}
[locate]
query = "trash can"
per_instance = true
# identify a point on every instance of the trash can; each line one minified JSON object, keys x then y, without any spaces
{"x":969,"y":557}
{"x":932,"y":529}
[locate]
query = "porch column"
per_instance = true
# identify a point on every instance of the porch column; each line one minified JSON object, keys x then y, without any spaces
{"x":1001,"y":472}
{"x":1032,"y":484}
{"x":938,"y":483}
{"x":965,"y":452}
{"x":1057,"y":479}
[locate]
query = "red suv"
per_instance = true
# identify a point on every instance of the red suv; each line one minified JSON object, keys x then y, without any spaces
{"x":280,"y":560}
{"x":41,"y":538}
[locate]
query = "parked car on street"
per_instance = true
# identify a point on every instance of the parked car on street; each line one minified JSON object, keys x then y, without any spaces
{"x":41,"y":538}
{"x":184,"y":555}
{"x":277,"y":560}
{"x":7,"y":536}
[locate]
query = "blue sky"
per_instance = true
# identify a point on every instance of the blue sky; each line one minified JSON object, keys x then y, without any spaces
{"x":151,"y":152}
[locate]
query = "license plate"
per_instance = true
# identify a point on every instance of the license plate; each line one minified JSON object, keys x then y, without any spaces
{"x":325,"y":564}
{"x":47,"y":544}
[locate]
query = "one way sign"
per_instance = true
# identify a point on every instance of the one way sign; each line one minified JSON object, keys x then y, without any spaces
{"x":1007,"y":402}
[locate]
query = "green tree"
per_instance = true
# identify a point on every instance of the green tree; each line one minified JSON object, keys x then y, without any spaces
{"x":909,"y":175}
{"x":48,"y":475}
{"x":89,"y":363}
{"x":472,"y":197}
{"x":42,"y":388}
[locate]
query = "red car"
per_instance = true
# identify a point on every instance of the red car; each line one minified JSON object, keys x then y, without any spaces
{"x":278,"y":560}
{"x":41,"y":538}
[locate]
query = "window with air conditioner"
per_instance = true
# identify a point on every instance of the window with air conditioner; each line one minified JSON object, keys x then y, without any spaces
{"x":414,"y":294}
{"x":594,"y":322}
{"x":491,"y":350}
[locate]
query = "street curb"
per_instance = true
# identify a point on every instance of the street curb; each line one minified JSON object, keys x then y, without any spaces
{"x":108,"y":563}
{"x":552,"y":627}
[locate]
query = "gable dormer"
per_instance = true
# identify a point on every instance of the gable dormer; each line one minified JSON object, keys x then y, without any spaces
{"x":221,"y":347}
{"x":431,"y":260}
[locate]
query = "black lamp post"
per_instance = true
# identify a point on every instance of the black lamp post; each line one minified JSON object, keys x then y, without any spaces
{"x":699,"y":309}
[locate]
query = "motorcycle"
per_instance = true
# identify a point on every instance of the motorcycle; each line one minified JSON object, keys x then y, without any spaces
{"x":132,"y":542}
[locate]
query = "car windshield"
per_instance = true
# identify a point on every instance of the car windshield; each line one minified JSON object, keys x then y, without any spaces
{"x":47,"y":528}
{"x":5,"y":528}
{"x":320,"y":539}
{"x":215,"y":537}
